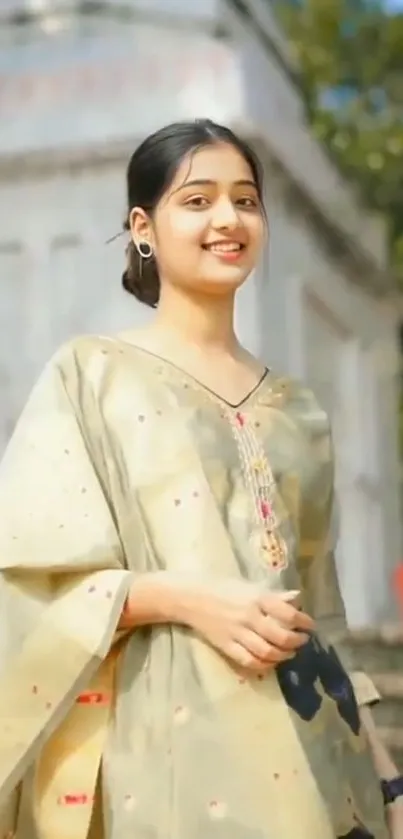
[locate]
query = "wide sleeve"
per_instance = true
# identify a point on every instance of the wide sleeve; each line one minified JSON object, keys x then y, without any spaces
{"x":319,"y":579}
{"x":63,"y":583}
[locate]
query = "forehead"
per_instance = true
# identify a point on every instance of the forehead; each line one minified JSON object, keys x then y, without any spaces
{"x":221,"y":163}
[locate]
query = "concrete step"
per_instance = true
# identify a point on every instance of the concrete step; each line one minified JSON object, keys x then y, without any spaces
{"x":380,"y":652}
{"x":388,"y":714}
{"x":380,"y":649}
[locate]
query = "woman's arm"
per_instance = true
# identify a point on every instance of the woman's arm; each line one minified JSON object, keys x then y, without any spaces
{"x":157,"y":598}
{"x":384,"y":764}
{"x":252,"y":628}
{"x":386,"y":769}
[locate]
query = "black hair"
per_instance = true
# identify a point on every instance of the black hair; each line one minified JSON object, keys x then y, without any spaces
{"x":150,"y":172}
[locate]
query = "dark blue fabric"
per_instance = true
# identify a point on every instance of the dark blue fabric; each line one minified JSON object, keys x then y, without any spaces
{"x":298,"y":680}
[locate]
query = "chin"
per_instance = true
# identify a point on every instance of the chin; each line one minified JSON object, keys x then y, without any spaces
{"x":228,"y":281}
{"x":222,"y":289}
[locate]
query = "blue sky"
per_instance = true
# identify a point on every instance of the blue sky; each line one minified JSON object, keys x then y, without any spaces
{"x":393,"y":4}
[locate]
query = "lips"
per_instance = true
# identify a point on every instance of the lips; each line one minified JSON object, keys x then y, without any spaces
{"x":224,"y":247}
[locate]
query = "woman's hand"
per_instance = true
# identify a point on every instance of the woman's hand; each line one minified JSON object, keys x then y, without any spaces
{"x":256,"y":630}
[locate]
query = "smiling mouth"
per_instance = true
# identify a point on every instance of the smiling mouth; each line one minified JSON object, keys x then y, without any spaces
{"x":224,"y":247}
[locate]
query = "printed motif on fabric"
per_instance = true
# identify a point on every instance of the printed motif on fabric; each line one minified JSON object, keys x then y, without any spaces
{"x":314,"y":667}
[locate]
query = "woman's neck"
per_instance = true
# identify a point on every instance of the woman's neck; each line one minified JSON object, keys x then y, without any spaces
{"x":204,"y":321}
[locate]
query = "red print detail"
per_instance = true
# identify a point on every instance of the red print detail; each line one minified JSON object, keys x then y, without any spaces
{"x":93,"y":698}
{"x":240,"y":418}
{"x":265,"y":509}
{"x":79,"y":799}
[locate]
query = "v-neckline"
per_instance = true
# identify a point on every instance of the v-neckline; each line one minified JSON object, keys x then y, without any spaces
{"x":256,"y":387}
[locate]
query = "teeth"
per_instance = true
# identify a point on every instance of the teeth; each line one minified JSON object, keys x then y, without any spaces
{"x":225,"y":248}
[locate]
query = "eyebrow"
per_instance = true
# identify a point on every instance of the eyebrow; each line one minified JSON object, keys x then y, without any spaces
{"x":208,"y":182}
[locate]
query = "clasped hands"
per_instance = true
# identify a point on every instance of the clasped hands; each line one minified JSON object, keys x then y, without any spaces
{"x":255,"y":630}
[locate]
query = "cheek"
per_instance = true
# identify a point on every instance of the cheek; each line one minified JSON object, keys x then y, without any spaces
{"x":188,"y":228}
{"x":257,"y":232}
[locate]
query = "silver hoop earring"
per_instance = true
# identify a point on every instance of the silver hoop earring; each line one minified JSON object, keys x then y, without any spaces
{"x":144,"y":249}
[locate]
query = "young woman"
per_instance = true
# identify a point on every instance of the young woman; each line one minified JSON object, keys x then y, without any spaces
{"x":172,"y":663}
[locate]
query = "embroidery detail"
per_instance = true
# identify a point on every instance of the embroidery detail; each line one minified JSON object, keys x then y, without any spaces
{"x":262,"y":486}
{"x":217,"y":810}
{"x":130,"y":803}
{"x":93,"y":698}
{"x":181,"y":714}
{"x":71,"y":798}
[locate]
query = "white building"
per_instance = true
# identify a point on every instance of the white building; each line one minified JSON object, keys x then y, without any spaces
{"x":76,"y":95}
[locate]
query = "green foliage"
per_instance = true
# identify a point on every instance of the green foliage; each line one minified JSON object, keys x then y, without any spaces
{"x":350,"y":55}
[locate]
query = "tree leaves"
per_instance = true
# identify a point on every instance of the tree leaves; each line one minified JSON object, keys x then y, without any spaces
{"x":350,"y":55}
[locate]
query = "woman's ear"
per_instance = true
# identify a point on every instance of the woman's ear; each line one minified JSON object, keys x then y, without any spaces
{"x":140,"y":226}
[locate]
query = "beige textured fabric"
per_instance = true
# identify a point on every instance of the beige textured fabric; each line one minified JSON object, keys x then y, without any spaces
{"x":121,"y":464}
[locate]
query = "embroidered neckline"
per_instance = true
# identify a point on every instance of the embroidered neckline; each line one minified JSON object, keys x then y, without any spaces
{"x":254,"y":390}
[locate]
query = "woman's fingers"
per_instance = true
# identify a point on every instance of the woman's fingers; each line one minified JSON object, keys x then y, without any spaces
{"x":260,"y":648}
{"x":285,"y":613}
{"x":241,"y":653}
{"x":304,"y":622}
{"x":279,"y":635}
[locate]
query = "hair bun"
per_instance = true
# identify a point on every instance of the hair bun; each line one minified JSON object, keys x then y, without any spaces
{"x":140,"y":277}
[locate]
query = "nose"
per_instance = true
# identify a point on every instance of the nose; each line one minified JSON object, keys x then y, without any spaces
{"x":225,"y":216}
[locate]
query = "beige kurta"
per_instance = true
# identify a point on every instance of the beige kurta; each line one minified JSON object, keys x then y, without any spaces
{"x":123,"y":464}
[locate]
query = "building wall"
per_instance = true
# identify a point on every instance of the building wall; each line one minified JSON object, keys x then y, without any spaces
{"x":97,"y":83}
{"x":341,"y":340}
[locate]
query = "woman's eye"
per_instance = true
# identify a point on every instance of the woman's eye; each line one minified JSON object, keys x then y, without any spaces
{"x":248,"y":202}
{"x":197,"y":201}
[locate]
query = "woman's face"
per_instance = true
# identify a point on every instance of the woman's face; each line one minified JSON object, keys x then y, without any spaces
{"x":208,"y":228}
